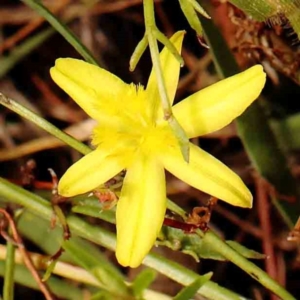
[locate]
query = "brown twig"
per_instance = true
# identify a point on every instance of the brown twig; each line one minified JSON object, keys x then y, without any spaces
{"x":27,"y":260}
{"x":281,"y":268}
{"x":264,"y":217}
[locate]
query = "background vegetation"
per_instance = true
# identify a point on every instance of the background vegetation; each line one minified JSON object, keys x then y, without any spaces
{"x":262,"y":147}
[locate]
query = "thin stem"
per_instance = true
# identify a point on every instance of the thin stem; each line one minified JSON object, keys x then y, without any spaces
{"x":189,"y":291}
{"x":62,"y":269}
{"x":61,"y":288}
{"x":137,"y":53}
{"x":178,"y":273}
{"x":62,"y":29}
{"x":8,"y":287}
{"x":26,"y":258}
{"x":176,"y":209}
{"x":165,"y":41}
{"x":199,"y":8}
{"x":166,"y":106}
{"x":254,"y":271}
{"x":42,"y":123}
{"x":150,"y":27}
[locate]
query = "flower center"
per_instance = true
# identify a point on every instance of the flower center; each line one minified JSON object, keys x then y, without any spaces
{"x":128,"y":126}
{"x":158,"y":138}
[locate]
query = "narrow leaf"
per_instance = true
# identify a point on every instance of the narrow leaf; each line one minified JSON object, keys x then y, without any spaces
{"x":142,"y":281}
{"x":62,"y":29}
{"x":248,"y":253}
{"x":189,"y":291}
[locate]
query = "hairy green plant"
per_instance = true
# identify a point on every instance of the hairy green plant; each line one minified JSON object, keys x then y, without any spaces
{"x":280,"y":12}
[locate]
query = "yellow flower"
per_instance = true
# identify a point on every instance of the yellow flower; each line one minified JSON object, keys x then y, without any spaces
{"x":133,"y":135}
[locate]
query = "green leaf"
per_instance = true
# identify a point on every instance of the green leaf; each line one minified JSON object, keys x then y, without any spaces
{"x":8,"y":286}
{"x":258,"y":9}
{"x":62,"y":29}
{"x":251,"y":254}
{"x":287,"y":132}
{"x":93,"y":208}
{"x":142,"y":281}
{"x":103,"y":295}
{"x":197,"y":247}
{"x":191,"y":16}
{"x":47,"y":240}
{"x":109,"y":280}
{"x":189,"y":291}
{"x":54,"y":240}
{"x":42,"y":208}
{"x":264,"y":10}
{"x":181,"y":136}
{"x":44,"y":124}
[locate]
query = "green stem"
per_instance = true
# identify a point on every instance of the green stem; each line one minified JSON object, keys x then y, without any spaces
{"x":166,"y":106}
{"x":178,"y":273}
{"x":176,"y":209}
{"x":62,"y":29}
{"x":42,"y":123}
{"x":8,"y":287}
{"x":150,"y":28}
{"x":137,"y":53}
{"x":165,"y":41}
{"x":246,"y":265}
{"x":226,"y":251}
{"x":189,"y":291}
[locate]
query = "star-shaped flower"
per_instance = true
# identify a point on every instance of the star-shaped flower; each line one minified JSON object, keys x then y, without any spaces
{"x":132,"y":134}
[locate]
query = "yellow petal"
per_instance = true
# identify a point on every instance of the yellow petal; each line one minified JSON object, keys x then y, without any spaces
{"x":140,"y":210}
{"x":91,"y":171}
{"x":207,"y":174}
{"x":171,"y":68}
{"x":90,"y":86}
{"x":217,"y":105}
